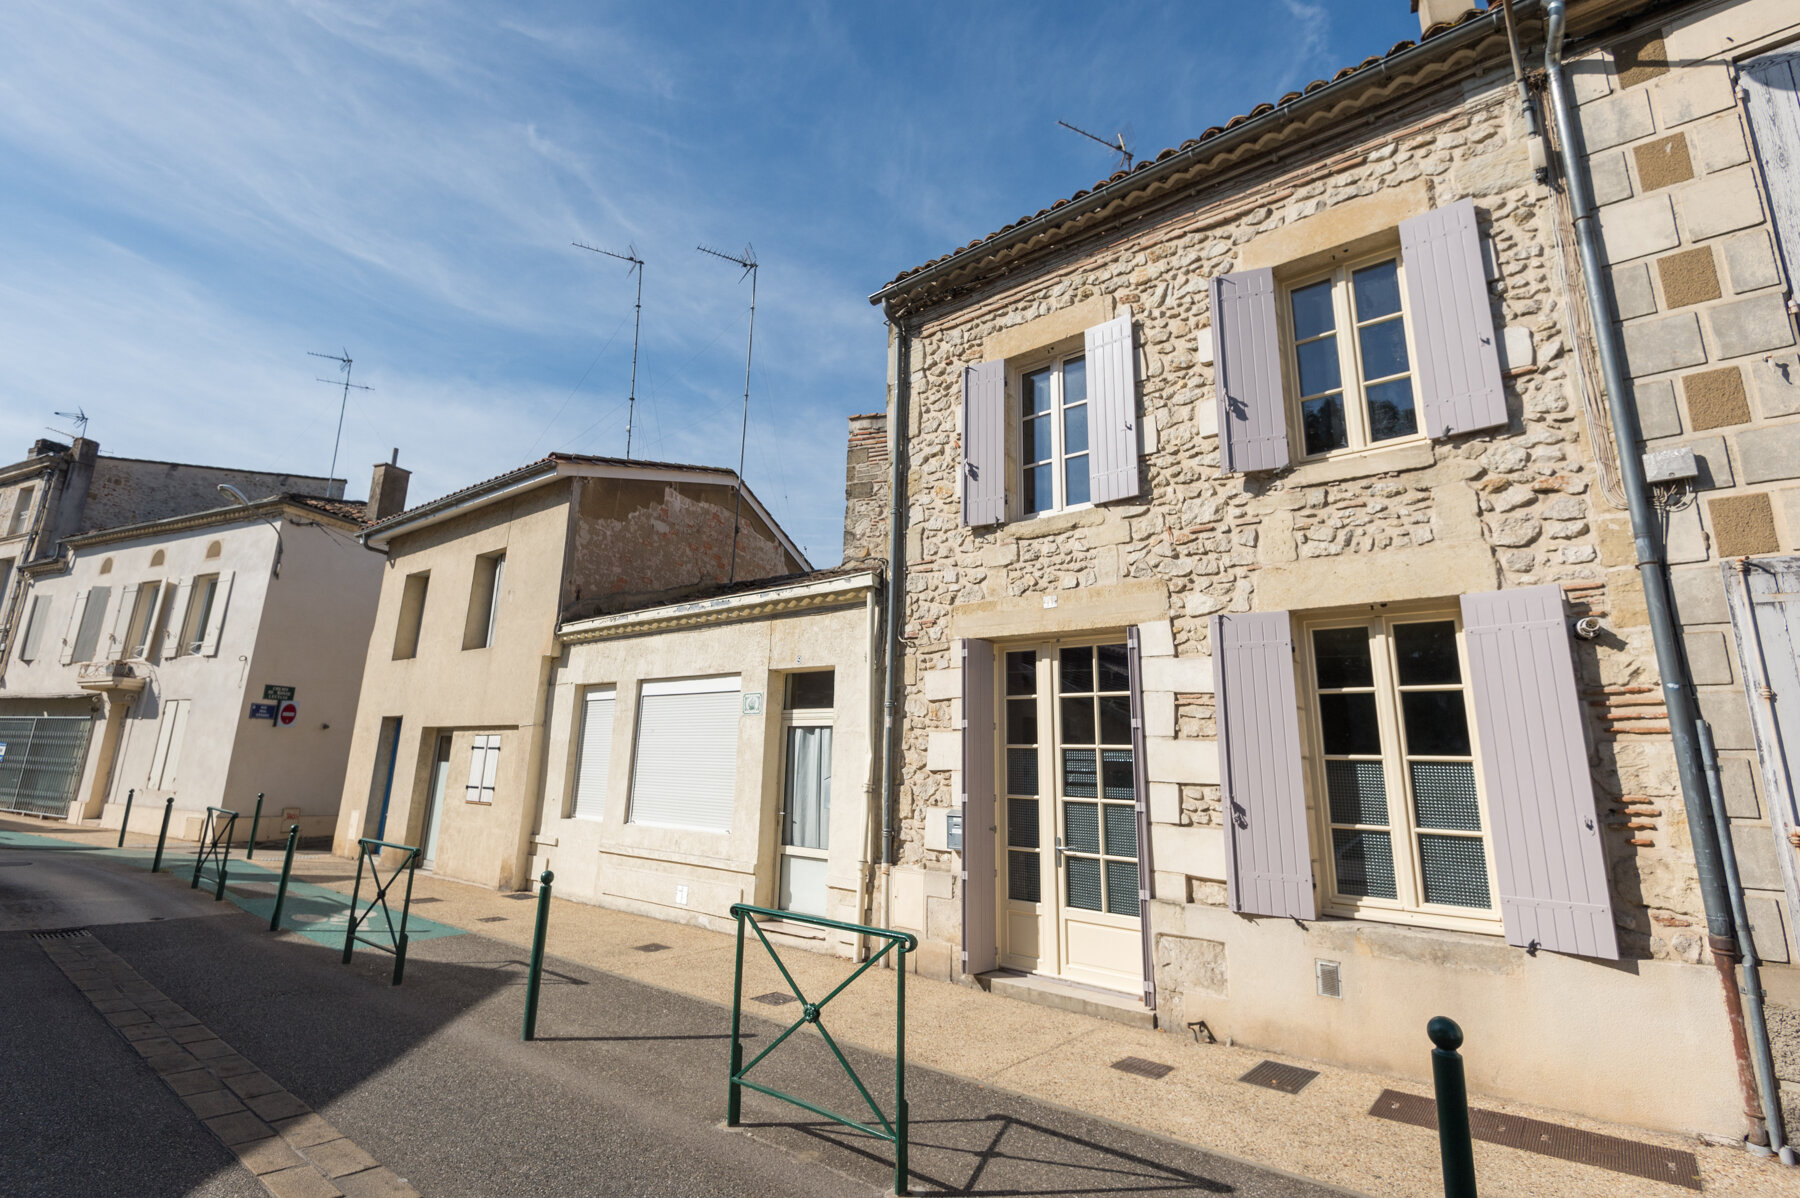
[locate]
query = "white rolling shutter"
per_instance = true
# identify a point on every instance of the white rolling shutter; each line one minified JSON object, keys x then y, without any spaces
{"x":596,"y":755}
{"x":685,"y":774}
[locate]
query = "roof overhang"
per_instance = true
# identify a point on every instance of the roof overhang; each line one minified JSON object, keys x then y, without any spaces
{"x":840,"y":590}
{"x":275,"y":506}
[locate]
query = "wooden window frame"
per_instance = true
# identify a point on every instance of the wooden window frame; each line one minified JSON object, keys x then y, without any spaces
{"x":1055,"y":358}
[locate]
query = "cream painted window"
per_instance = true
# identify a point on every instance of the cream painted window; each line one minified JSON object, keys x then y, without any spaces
{"x":806,"y":791}
{"x":1397,"y":786}
{"x":199,"y":612}
{"x":685,"y":771}
{"x":143,"y":620}
{"x":1053,"y":441}
{"x":1349,"y":358}
{"x":484,"y":767}
{"x":594,"y":758}
{"x":21,"y":513}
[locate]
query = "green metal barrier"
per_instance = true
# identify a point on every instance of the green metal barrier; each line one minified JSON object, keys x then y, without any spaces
{"x":370,"y":851}
{"x":895,"y":1130}
{"x":215,"y":846}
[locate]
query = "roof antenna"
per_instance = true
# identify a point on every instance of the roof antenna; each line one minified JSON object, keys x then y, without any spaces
{"x":637,"y":265}
{"x":747,"y":260}
{"x":1117,"y":145}
{"x":343,"y":368}
{"x":80,"y":418}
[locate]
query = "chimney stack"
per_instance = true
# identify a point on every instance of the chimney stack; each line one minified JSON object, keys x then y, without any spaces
{"x":387,"y":490}
{"x":1442,"y":12}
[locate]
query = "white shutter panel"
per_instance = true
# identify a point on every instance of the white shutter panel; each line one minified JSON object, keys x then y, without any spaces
{"x":596,"y":755}
{"x":75,"y":614}
{"x":477,"y":768}
{"x":685,"y":775}
{"x":171,"y":769}
{"x":1772,"y":95}
{"x":34,"y":627}
{"x":172,"y":646}
{"x":1112,"y":408}
{"x":215,"y":622}
{"x":490,"y":768}
{"x":163,"y":732}
{"x":116,"y":649}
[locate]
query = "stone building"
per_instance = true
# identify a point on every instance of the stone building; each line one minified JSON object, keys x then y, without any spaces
{"x":1251,"y":501}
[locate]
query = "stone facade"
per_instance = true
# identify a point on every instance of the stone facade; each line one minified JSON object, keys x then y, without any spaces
{"x":866,"y":466}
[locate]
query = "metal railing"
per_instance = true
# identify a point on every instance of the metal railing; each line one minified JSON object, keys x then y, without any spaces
{"x":215,"y":846}
{"x":900,"y":943}
{"x":371,"y":852}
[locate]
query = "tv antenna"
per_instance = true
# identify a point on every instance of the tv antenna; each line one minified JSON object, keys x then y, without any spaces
{"x":747,"y":260}
{"x":79,"y":418}
{"x":344,"y":363}
{"x":637,"y":320}
{"x":1117,"y":145}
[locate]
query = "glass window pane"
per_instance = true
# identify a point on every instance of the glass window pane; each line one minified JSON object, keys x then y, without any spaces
{"x":1078,"y":720}
{"x":1348,"y":722}
{"x":1115,"y":719}
{"x":1324,"y":424}
{"x":1383,"y":349}
{"x":1024,"y":877}
{"x":1444,"y":795}
{"x":1391,"y":412}
{"x":1437,"y":724}
{"x":1075,"y":479}
{"x":1319,"y":366}
{"x":1118,"y":780}
{"x":1341,"y":656}
{"x":1312,"y":310}
{"x":1022,"y":771}
{"x":1377,"y":289}
{"x":1039,"y":496}
{"x":1115,"y":668}
{"x":1077,"y":670}
{"x":1036,"y":388}
{"x":1079,"y":779}
{"x":808,"y":796}
{"x":1122,"y":888}
{"x":1075,"y":381}
{"x":1021,"y":721}
{"x":1081,"y":827}
{"x":1022,"y":823}
{"x":1038,"y":439}
{"x":1084,"y":883}
{"x":818,"y":689}
{"x":1365,"y":863}
{"x":1425,"y":654}
{"x":1121,"y":830}
{"x":1455,"y":869}
{"x":1075,"y":429}
{"x":1021,"y":673}
{"x":1357,"y":791}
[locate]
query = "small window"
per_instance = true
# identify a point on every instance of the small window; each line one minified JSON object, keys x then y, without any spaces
{"x":106,"y":566}
{"x":213,"y":550}
{"x":35,"y":622}
{"x":1349,"y":359}
{"x":412,"y":615}
{"x":812,"y":691}
{"x":484,"y":601}
{"x":199,"y":613}
{"x":156,"y":559}
{"x":484,"y":766}
{"x":1053,"y":443}
{"x":594,"y":761}
{"x":93,"y":614}
{"x":685,"y":771}
{"x":21,"y":513}
{"x":143,"y":620}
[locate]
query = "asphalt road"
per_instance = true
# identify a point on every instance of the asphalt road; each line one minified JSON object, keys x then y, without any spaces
{"x":623,"y":1094}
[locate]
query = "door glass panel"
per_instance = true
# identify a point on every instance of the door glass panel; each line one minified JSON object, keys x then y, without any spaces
{"x":1455,"y":869}
{"x":1021,"y":673}
{"x":1084,"y":884}
{"x":1365,"y":863}
{"x":1081,"y":827}
{"x":1024,"y":882}
{"x":1077,"y":671}
{"x":809,"y":788}
{"x":1021,"y":721}
{"x":1022,"y":823}
{"x":1357,"y":792}
{"x":1078,"y":720}
{"x":1122,"y":887}
{"x":1425,"y":654}
{"x":1114,"y":668}
{"x":1121,"y":831}
{"x":1444,"y":795}
{"x":1079,"y":781}
{"x":1117,"y":779}
{"x":1115,"y":719}
{"x":1022,"y":771}
{"x":1436,"y":723}
{"x":1348,"y":723}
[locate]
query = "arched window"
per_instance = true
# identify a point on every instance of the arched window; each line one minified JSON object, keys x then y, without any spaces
{"x":156,"y":559}
{"x":213,"y":550}
{"x":106,"y":566}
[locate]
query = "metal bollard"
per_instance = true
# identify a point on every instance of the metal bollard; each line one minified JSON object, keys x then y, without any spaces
{"x":156,"y":861}
{"x":126,"y":822}
{"x":287,"y":867}
{"x":537,"y":955}
{"x":1454,"y":1143}
{"x":255,"y":818}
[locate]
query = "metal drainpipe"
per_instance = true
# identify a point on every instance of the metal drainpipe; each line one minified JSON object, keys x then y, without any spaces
{"x":896,"y":575}
{"x":1677,"y":693}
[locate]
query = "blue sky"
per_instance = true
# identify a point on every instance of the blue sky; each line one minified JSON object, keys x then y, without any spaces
{"x":195,"y":195}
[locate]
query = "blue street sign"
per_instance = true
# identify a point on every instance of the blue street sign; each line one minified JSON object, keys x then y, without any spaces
{"x":262,"y":711}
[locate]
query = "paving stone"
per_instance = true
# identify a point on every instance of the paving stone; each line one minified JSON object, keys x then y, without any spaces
{"x":306,"y":1130}
{"x":268,"y":1156}
{"x":210,"y":1048}
{"x":335,"y":1158}
{"x":240,"y":1127}
{"x":303,"y":1182}
{"x":143,"y":1031}
{"x":193,"y":1081}
{"x":231,"y":1066}
{"x":189,"y":1034}
{"x":379,"y":1182}
{"x":252,"y":1085}
{"x":208,"y":1103}
{"x":127,"y":1018}
{"x":149,"y":1046}
{"x":108,"y":1006}
{"x":177,"y":1061}
{"x":278,"y":1104}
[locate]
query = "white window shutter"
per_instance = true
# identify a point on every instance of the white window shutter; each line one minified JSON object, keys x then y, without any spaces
{"x":477,"y":768}
{"x":1771,"y":86}
{"x":75,"y":614}
{"x":116,"y":648}
{"x":595,"y":754}
{"x":1113,"y":440}
{"x":178,"y":606}
{"x":215,"y":623}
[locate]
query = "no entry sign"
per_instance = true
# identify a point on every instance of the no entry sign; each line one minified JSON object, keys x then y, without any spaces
{"x":287,"y":713}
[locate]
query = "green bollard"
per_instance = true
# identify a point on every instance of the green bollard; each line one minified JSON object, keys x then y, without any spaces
{"x":900,"y":1112}
{"x":255,"y":818}
{"x":734,"y":1094}
{"x":355,"y":893}
{"x":287,"y":867}
{"x":156,"y":861}
{"x":126,"y":822}
{"x":1454,"y":1143}
{"x":537,"y":955}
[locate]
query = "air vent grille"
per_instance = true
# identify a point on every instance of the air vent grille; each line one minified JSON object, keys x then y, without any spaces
{"x":1330,"y":980}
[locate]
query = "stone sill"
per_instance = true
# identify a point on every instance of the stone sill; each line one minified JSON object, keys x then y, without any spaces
{"x":1418,"y":455}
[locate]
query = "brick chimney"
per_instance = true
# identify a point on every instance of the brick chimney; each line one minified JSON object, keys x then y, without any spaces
{"x":1442,"y":12}
{"x":387,"y":489}
{"x":866,"y":489}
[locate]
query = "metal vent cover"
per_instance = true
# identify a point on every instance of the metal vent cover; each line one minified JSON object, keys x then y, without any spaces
{"x":774,"y":998}
{"x":1289,"y":1079}
{"x":60,"y":934}
{"x":651,"y":948}
{"x":1330,"y":979}
{"x":1139,"y":1067}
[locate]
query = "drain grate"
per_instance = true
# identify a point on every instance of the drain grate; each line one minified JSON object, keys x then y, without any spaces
{"x":652,"y":948}
{"x":1139,"y":1067}
{"x":492,"y":919}
{"x":1289,"y":1079}
{"x":775,"y":998}
{"x":60,"y":934}
{"x":417,"y":901}
{"x":1549,"y":1139}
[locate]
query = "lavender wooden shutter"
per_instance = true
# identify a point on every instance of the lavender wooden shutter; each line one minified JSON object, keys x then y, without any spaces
{"x":1268,"y":858}
{"x":1140,"y":782}
{"x":1772,"y":95}
{"x":980,"y":950}
{"x":1247,"y":374}
{"x":984,"y":444}
{"x":1457,"y":375}
{"x":1546,"y":835}
{"x":1112,"y":410}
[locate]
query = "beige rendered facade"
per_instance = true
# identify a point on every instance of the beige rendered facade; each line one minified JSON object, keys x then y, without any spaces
{"x":1249,"y":504}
